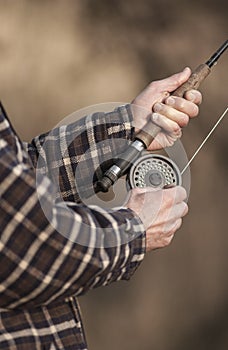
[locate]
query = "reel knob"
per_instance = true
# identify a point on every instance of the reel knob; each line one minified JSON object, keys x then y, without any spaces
{"x":155,"y":179}
{"x":154,"y":170}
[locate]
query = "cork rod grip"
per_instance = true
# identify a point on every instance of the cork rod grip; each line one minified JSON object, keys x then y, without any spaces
{"x":150,"y":131}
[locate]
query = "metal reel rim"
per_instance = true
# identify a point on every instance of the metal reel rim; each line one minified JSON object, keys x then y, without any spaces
{"x":164,"y":160}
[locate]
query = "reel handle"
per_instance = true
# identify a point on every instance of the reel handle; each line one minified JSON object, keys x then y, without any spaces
{"x":150,"y":130}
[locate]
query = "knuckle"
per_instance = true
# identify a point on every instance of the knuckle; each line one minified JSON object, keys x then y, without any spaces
{"x":176,"y":226}
{"x":168,"y":240}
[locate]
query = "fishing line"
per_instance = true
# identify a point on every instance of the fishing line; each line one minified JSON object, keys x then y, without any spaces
{"x":205,"y":140}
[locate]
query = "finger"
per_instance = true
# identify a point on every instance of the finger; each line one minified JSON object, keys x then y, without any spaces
{"x":174,"y":114}
{"x":178,"y":224}
{"x":194,"y":96}
{"x":176,"y":227}
{"x":175,"y":194}
{"x":174,"y":81}
{"x":168,"y":125}
{"x":171,"y":208}
{"x":178,"y":211}
{"x":169,"y":216}
{"x":183,"y":105}
{"x":143,"y":190}
{"x":171,"y":227}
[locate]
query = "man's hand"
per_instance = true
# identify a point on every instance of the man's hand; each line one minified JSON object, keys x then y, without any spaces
{"x":171,"y":113}
{"x":161,"y":211}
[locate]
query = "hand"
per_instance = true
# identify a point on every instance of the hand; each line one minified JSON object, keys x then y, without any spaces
{"x":171,"y":113}
{"x":161,"y":211}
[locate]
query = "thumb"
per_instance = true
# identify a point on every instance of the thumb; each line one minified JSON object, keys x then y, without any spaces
{"x":174,"y":81}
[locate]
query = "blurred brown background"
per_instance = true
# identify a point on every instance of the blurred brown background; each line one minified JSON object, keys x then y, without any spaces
{"x":59,"y":56}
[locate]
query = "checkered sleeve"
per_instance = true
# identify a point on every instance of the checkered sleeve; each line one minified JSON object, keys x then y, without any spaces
{"x":74,"y":155}
{"x":52,"y":249}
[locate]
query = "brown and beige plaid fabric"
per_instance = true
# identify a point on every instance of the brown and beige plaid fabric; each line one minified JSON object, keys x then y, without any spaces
{"x":44,"y":266}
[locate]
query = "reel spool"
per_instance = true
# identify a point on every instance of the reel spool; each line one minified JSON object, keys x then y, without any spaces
{"x":154,"y":170}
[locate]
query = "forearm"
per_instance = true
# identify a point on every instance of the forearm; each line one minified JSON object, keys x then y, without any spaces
{"x":41,"y":256}
{"x":77,"y":151}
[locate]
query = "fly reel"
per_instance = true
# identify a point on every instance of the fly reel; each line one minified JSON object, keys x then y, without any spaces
{"x":154,"y":170}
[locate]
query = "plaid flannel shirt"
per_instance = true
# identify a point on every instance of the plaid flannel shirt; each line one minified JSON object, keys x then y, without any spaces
{"x":42,"y":270}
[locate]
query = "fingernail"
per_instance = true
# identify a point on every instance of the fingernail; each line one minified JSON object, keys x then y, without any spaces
{"x":170,"y":101}
{"x":157,"y":107}
{"x":155,"y":117}
{"x":191,"y":96}
{"x":186,"y":69}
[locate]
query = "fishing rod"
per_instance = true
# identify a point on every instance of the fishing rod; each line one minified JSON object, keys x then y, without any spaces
{"x":168,"y":169}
